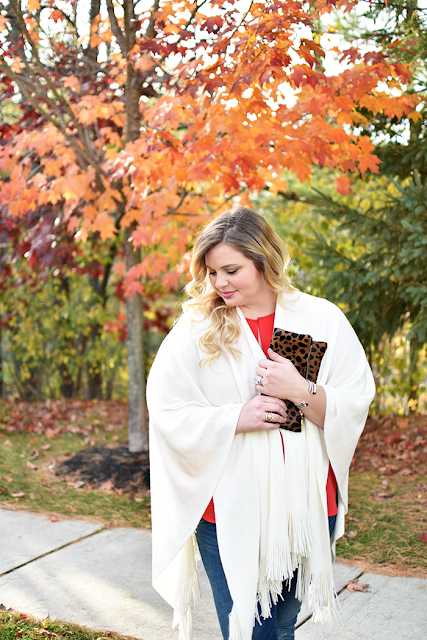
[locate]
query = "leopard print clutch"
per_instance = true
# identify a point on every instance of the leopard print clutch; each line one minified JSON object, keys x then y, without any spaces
{"x":306,"y":355}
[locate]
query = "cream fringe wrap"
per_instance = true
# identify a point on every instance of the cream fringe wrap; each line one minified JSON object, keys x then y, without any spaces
{"x":271,"y":513}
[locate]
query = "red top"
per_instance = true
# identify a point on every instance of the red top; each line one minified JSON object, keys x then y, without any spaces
{"x":263,"y":330}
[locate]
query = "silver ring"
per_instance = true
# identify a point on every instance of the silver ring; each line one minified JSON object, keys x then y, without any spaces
{"x":259,"y":381}
{"x":269,"y":416}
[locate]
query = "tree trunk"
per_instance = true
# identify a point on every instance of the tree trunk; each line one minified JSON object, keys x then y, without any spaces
{"x":414,"y":357}
{"x":138,"y":435}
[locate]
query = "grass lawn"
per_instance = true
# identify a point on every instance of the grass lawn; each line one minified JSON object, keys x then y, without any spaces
{"x":388,"y":482}
{"x":387,"y":517}
{"x":31,"y":448}
{"x":18,"y":625}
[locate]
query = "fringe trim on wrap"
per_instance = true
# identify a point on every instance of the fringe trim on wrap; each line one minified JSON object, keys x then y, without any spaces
{"x":182,"y":617}
{"x":300,"y":532}
{"x":234,"y":627}
{"x":188,"y":596}
{"x":318,"y":592}
{"x":281,"y":560}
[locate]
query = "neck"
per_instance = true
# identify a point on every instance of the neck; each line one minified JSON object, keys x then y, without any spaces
{"x":263,"y":307}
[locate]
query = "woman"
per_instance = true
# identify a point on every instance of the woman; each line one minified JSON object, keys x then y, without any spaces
{"x":257,"y":496}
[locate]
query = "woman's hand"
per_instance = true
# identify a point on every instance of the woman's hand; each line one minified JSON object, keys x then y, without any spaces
{"x":280,"y":379}
{"x":254,"y":413}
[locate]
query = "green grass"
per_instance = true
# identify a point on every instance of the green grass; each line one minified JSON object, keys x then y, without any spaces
{"x":60,"y":498}
{"x":18,"y":625}
{"x":387,"y":532}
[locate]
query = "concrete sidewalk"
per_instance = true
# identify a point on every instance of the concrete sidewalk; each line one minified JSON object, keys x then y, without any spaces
{"x":79,"y":572}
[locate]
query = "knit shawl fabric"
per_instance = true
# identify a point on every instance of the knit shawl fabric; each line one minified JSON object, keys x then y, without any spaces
{"x":271,"y":510}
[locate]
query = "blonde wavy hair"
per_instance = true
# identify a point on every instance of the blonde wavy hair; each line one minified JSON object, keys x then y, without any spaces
{"x":249,"y":233}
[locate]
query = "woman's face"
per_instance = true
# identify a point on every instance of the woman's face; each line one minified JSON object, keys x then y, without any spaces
{"x":235,"y":277}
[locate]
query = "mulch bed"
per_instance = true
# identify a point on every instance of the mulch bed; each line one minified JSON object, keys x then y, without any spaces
{"x":107,"y":468}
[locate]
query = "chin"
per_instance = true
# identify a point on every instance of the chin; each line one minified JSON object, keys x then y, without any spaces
{"x":230,"y":302}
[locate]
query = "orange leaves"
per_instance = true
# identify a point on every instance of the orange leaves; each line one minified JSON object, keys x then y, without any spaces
{"x":369,"y":161}
{"x":17,"y":65}
{"x":95,"y":40}
{"x":33,"y":5}
{"x":219,"y":126}
{"x":72,"y":83}
{"x":92,"y":108}
{"x":143,"y":62}
{"x":343,"y":184}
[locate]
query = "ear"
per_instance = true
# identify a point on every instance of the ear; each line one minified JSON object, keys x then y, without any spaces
{"x":275,"y":356}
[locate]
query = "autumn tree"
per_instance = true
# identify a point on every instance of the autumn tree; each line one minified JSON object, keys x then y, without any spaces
{"x":164,"y":112}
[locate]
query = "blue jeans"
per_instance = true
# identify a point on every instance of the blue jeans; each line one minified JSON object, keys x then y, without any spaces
{"x":281,"y":625}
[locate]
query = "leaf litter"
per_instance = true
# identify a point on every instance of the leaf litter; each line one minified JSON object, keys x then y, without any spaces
{"x":105,"y":467}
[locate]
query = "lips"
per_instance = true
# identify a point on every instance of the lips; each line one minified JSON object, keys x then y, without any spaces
{"x":227,"y":294}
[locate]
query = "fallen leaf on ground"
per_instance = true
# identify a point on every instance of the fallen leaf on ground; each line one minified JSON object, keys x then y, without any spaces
{"x":405,"y":472}
{"x":45,"y":447}
{"x":5,"y":490}
{"x":106,"y":486}
{"x":45,"y":484}
{"x":9,"y":479}
{"x":7,"y":443}
{"x":353,"y":585}
{"x":78,"y":484}
{"x":21,"y":494}
{"x":351,"y":534}
{"x":32,"y":466}
{"x":423,"y":537}
{"x":54,"y":519}
{"x":379,"y":495}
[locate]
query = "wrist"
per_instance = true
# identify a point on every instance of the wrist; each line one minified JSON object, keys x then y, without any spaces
{"x":301,"y":393}
{"x":306,"y":392}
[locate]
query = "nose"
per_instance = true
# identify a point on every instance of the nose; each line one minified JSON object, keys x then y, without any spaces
{"x":221,"y":281}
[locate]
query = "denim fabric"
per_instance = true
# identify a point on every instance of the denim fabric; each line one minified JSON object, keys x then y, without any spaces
{"x":281,"y":625}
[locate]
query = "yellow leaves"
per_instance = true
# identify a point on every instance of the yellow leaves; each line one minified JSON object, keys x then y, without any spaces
{"x":72,"y":83}
{"x":3,"y":23}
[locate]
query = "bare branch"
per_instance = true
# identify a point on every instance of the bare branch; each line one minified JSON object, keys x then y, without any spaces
{"x":150,"y":28}
{"x":174,"y":210}
{"x":115,"y":28}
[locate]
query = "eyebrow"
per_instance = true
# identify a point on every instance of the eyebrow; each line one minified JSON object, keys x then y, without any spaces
{"x":225,"y":266}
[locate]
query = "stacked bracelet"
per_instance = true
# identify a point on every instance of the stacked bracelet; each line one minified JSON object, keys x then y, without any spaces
{"x":312,"y":387}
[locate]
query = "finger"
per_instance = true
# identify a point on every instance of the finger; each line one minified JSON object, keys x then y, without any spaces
{"x":275,"y":356}
{"x":272,"y":400}
{"x":271,"y":426}
{"x":279,"y":414}
{"x":263,"y":364}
